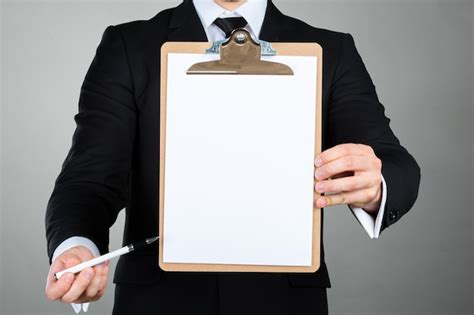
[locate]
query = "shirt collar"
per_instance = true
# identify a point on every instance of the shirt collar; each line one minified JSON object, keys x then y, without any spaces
{"x":253,"y":11}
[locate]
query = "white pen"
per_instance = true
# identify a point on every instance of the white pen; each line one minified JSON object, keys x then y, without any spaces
{"x":97,"y":260}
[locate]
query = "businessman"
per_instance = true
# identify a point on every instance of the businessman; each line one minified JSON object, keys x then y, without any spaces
{"x":114,"y":158}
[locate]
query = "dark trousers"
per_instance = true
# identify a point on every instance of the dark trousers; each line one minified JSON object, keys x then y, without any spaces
{"x":221,"y":294}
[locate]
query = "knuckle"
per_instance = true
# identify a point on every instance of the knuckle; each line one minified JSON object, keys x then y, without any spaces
{"x":73,"y":257}
{"x":103,"y":287}
{"x":83,"y":283}
{"x":97,"y":269}
{"x":91,"y":293}
{"x":377,"y":163}
{"x":369,"y":183}
{"x":377,"y":180}
{"x":369,"y":149}
{"x":353,"y":147}
{"x":100,"y":293}
{"x":335,"y":150}
{"x":72,"y":260}
{"x":50,"y":296}
{"x":346,"y":149}
{"x":352,"y":185}
{"x":349,"y":162}
{"x":61,"y":288}
{"x":371,"y":194}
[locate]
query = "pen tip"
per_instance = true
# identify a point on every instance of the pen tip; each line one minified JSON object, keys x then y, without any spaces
{"x":152,"y":239}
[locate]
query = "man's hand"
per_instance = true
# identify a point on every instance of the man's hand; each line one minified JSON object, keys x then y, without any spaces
{"x":88,"y":285}
{"x":349,"y":174}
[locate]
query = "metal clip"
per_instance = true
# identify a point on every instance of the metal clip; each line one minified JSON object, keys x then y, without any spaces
{"x":265,"y":47}
{"x":240,"y":54}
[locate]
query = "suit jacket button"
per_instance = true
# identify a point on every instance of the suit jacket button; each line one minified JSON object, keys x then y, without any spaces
{"x":393,"y":214}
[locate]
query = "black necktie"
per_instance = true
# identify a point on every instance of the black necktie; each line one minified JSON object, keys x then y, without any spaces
{"x":227,"y":25}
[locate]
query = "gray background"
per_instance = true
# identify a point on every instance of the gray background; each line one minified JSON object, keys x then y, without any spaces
{"x":420,"y":56}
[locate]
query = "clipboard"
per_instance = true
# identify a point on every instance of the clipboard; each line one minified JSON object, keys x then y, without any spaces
{"x":240,"y":57}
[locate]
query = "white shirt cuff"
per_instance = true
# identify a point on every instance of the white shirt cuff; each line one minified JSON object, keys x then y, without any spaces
{"x":371,"y":226}
{"x":73,"y":242}
{"x":70,"y":243}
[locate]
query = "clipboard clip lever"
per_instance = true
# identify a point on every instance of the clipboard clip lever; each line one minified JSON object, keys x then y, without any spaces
{"x":265,"y":47}
{"x":240,"y":54}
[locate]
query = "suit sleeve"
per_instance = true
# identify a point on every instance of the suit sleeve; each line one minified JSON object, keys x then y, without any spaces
{"x":355,"y":115}
{"x":92,"y":186}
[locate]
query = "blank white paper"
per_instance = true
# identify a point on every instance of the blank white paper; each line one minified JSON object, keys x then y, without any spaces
{"x":239,"y":165}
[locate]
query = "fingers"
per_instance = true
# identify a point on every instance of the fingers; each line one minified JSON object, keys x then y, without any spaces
{"x":355,"y":176}
{"x":342,"y":164}
{"x":103,"y":282}
{"x":356,"y":198}
{"x":56,"y":288}
{"x":83,"y":279}
{"x":91,"y":290}
{"x":97,"y":287}
{"x":88,"y":285}
{"x":364,"y":180}
{"x":341,"y":150}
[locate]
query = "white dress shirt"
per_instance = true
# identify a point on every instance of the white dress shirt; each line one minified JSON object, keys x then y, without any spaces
{"x":254,"y":12}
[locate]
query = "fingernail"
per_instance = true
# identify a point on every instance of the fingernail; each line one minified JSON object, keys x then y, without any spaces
{"x":320,"y":187}
{"x":318,"y":174}
{"x":319,"y":161}
{"x":322,"y":202}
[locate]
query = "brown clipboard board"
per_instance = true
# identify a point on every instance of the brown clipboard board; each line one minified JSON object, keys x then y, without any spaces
{"x":285,"y":49}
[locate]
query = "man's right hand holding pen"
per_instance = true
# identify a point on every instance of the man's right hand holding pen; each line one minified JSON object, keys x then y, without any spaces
{"x":85,"y":286}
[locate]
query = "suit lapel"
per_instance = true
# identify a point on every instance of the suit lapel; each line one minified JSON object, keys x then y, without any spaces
{"x":273,"y":24}
{"x":185,"y":24}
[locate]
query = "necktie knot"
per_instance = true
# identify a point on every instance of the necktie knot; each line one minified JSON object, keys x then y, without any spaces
{"x":227,"y":25}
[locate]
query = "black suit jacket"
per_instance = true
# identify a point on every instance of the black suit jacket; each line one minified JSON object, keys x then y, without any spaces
{"x":114,"y":158}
